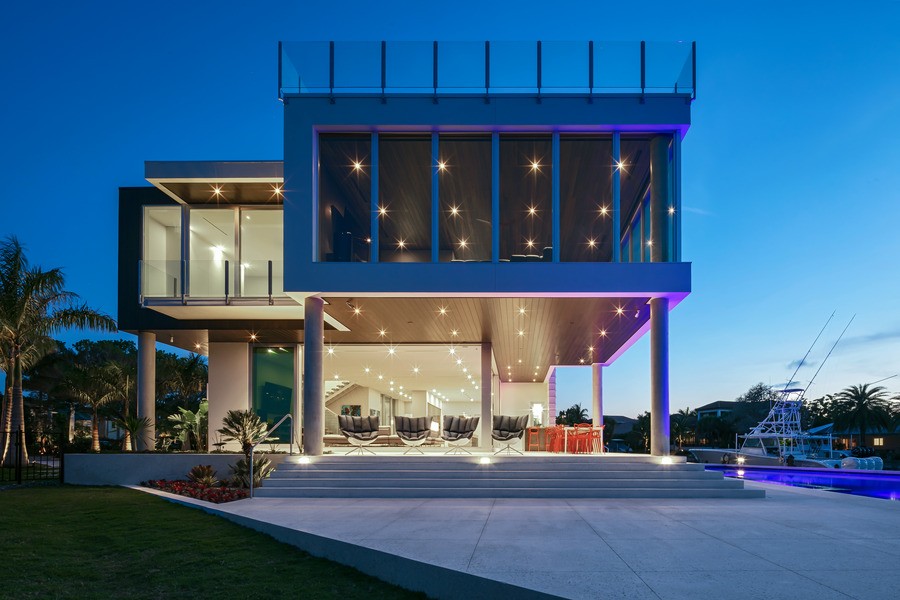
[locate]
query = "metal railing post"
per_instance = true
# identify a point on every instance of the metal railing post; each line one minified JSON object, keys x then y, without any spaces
{"x":539,"y":71}
{"x":18,"y":468}
{"x":227,"y":269}
{"x":643,"y":69}
{"x":280,"y":96}
{"x":487,"y":72}
{"x":591,"y":67}
{"x":694,"y":70}
{"x":435,"y":72}
{"x":271,"y":301}
{"x":331,"y":71}
{"x":383,"y":70}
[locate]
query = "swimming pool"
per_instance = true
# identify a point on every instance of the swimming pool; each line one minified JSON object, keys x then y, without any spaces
{"x":880,"y":484}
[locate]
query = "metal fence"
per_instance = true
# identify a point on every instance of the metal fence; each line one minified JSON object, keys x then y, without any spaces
{"x":32,"y":456}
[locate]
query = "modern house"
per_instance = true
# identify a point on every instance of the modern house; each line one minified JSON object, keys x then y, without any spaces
{"x":450,"y":222}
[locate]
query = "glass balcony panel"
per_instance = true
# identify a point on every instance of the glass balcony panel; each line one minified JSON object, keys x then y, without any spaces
{"x":461,"y":67}
{"x":514,"y":66}
{"x":255,"y":278}
{"x":465,"y":198}
{"x":409,"y":66}
{"x":357,"y":66}
{"x":305,"y":67}
{"x":207,"y":278}
{"x":161,"y":278}
{"x":586,"y":167}
{"x":617,"y":67}
{"x":564,"y":67}
{"x":668,"y":67}
{"x":345,"y":192}
{"x":262,"y":240}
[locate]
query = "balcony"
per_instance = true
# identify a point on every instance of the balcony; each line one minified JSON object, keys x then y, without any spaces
{"x":486,"y":68}
{"x":212,"y":281}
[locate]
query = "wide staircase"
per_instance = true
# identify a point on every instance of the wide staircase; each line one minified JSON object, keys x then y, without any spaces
{"x":548,"y":476}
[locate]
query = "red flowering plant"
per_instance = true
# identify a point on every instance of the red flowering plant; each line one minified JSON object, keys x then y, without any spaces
{"x":202,"y":485}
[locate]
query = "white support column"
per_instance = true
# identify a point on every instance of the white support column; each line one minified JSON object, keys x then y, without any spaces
{"x":486,"y":408}
{"x":146,"y":388}
{"x":659,"y":376}
{"x":597,"y":396}
{"x":313,"y":373}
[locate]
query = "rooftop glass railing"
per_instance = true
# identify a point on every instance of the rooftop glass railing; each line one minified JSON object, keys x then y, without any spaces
{"x":492,"y":68}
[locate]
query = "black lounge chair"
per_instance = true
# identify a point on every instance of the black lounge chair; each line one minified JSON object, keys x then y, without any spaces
{"x":359,"y":431}
{"x":508,"y":429}
{"x":413,"y":431}
{"x":458,"y":432}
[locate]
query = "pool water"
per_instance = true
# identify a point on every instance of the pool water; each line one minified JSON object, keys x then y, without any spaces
{"x":881,"y":484}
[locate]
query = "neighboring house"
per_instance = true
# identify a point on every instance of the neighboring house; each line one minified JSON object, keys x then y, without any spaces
{"x":720,"y":408}
{"x":450,"y":222}
{"x":623,"y":424}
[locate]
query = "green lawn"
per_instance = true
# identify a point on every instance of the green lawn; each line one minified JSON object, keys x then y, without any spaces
{"x":78,"y":542}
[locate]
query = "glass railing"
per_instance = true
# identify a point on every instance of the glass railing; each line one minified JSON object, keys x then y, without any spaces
{"x":262,"y":278}
{"x":211,"y":279}
{"x":486,"y":67}
{"x":160,"y":278}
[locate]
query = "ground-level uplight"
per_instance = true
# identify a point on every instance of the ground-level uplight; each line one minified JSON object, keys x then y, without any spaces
{"x":666,"y":460}
{"x":304,"y":460}
{"x":485,"y":460}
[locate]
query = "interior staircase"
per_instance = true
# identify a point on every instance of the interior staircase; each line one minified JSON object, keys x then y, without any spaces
{"x":545,"y":476}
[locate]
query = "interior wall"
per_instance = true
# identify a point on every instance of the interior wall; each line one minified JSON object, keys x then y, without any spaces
{"x":518,"y":398}
{"x":229,"y":384}
{"x":361,"y":395}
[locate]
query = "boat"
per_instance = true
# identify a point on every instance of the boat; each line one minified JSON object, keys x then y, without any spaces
{"x":779,"y":439}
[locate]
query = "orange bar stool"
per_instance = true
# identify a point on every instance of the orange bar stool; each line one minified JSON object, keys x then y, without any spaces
{"x":534,"y":439}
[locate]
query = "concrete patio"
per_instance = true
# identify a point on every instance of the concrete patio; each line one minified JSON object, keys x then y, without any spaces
{"x":795,"y":543}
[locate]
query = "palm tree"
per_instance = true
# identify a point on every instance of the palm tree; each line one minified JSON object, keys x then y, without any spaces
{"x":92,"y":385}
{"x":861,"y":408}
{"x":682,"y":424}
{"x":33,"y":306}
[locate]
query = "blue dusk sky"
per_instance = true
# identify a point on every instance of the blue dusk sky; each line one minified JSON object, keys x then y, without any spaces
{"x":791,"y":207}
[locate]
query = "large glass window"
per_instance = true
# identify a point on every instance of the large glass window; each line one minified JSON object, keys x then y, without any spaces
{"x":212,"y":252}
{"x":345,"y":192}
{"x":404,"y":196}
{"x":262,"y":246}
{"x":585,"y":191}
{"x":273,"y":387}
{"x":634,"y":174}
{"x":526,"y":223}
{"x":161,"y":264}
{"x":464,"y":171}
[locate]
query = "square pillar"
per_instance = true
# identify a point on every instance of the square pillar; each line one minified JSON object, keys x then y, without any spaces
{"x":313,"y":374}
{"x":146,"y":389}
{"x":659,"y":376}
{"x":487,"y":412}
{"x":597,"y":395}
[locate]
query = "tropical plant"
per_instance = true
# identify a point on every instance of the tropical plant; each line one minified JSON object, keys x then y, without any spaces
{"x":573,"y":415}
{"x":861,"y":408}
{"x":240,"y":471}
{"x":244,"y":427}
{"x":204,"y":475}
{"x":133,"y":427}
{"x":191,"y":426}
{"x":642,"y":430}
{"x":34,"y":304}
{"x":682,"y":425}
{"x":90,"y":385}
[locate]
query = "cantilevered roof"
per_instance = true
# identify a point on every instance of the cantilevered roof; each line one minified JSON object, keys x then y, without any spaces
{"x":218,"y":182}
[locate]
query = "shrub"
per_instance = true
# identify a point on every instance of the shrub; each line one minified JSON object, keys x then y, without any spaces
{"x":195,"y":490}
{"x":203,"y":475}
{"x":240,"y":471}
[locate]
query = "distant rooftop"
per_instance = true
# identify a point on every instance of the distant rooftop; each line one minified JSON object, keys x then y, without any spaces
{"x":490,"y":68}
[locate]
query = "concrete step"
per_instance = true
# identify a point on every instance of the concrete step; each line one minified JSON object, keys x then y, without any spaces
{"x":468,"y":465}
{"x":502,"y":483}
{"x":424,"y":492}
{"x":457,"y":474}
